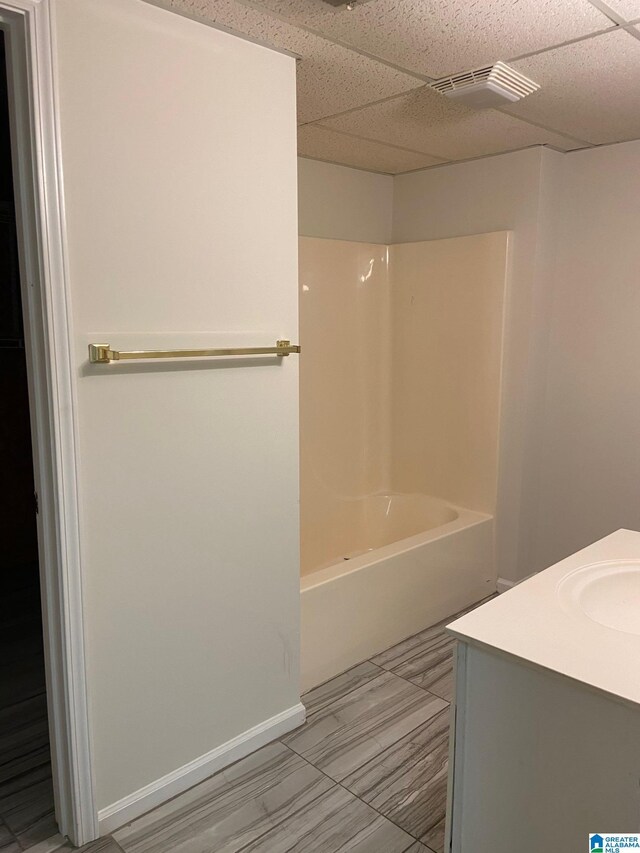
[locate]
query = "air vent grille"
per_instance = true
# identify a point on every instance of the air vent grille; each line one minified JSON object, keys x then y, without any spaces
{"x":488,"y":86}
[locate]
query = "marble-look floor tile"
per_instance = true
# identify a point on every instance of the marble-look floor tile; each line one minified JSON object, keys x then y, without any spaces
{"x":435,"y":837}
{"x":432,"y":669}
{"x":40,"y":830}
{"x":426,"y":659}
{"x":24,"y":741}
{"x":230,"y":810}
{"x":352,"y":730}
{"x":321,"y":696}
{"x":404,"y":783}
{"x":21,"y":658}
{"x":52,"y":845}
{"x":102,"y":845}
{"x":337,"y":822}
{"x":36,"y":761}
{"x":26,"y":806}
{"x":26,"y":790}
{"x":8,"y":841}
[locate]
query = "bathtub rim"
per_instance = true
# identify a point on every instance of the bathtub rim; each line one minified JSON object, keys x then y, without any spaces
{"x":466,"y":518}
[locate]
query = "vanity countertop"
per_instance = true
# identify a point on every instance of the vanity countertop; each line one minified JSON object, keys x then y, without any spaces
{"x":552,"y":619}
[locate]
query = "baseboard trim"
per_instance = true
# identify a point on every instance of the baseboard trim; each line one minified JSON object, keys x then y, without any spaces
{"x":180,"y":780}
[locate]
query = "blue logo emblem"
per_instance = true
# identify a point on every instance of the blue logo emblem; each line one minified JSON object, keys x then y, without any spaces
{"x":613,"y":842}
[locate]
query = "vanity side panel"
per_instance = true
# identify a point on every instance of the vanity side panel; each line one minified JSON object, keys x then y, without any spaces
{"x":543,"y":760}
{"x":456,"y":749}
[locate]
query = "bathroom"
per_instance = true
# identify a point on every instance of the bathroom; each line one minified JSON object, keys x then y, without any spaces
{"x":331,"y":378}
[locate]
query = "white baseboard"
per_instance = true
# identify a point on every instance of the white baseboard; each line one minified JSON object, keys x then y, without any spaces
{"x":163,"y":789}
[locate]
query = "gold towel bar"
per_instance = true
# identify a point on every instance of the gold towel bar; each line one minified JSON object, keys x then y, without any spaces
{"x":103,"y":354}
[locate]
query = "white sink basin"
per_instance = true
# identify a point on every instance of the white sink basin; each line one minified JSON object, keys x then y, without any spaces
{"x":607,"y":593}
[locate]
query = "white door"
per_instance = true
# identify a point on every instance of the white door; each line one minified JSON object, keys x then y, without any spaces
{"x":178,"y":153}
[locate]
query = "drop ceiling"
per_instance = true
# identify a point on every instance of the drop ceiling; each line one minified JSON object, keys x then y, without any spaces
{"x":363,"y":75}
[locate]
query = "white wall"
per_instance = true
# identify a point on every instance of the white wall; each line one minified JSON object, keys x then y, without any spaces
{"x":534,"y":381}
{"x":589,"y":454}
{"x":344,"y":204}
{"x":178,"y":148}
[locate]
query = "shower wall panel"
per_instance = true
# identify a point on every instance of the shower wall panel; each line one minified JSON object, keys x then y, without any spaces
{"x":344,"y":391}
{"x":400,"y":380}
{"x":448,"y":300}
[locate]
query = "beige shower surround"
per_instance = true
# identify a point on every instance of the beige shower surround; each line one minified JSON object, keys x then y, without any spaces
{"x":400,"y":380}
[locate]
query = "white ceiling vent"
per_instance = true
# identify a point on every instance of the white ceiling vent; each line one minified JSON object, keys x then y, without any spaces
{"x":494,"y":86}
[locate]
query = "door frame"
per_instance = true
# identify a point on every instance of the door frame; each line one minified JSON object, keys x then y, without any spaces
{"x":38,"y":190}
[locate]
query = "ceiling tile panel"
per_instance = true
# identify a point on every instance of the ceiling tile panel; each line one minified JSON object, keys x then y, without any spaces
{"x":589,"y":89}
{"x":439,"y":37}
{"x":324,"y":144}
{"x":426,"y":121}
{"x":331,"y":78}
{"x":629,"y":9}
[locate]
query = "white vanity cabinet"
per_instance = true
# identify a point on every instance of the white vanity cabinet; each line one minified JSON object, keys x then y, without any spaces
{"x":545,"y":745}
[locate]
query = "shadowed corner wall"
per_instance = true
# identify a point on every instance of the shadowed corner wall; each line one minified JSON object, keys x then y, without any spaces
{"x":587,"y":462}
{"x":340,"y":203}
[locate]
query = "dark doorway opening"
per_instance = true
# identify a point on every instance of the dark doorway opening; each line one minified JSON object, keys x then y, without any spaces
{"x":26,"y":791}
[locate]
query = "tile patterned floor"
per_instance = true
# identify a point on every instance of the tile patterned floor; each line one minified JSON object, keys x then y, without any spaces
{"x":367,"y":773}
{"x":26,"y":791}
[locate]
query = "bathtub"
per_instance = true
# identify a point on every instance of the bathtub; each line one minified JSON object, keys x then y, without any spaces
{"x":424,"y":560}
